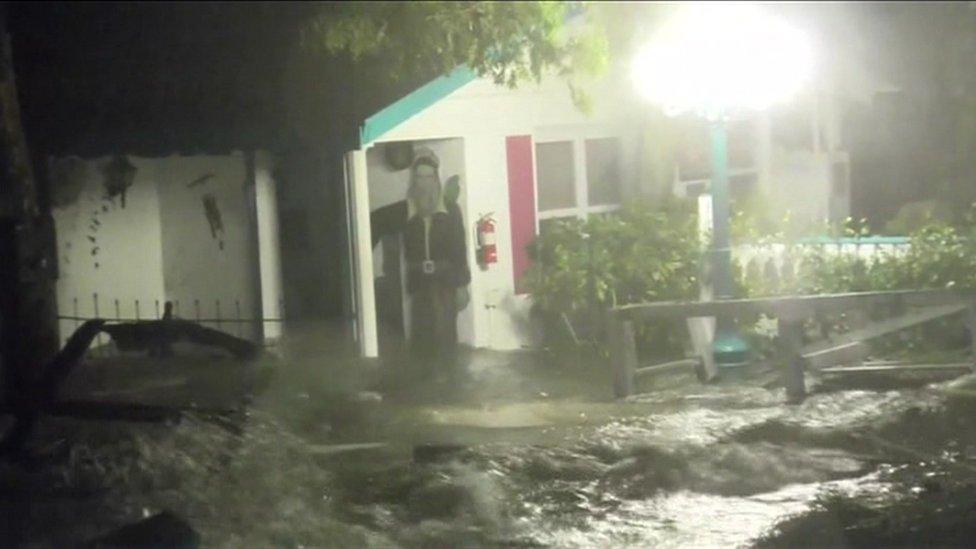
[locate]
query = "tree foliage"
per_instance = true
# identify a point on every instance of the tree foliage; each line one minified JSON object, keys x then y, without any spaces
{"x":509,"y":42}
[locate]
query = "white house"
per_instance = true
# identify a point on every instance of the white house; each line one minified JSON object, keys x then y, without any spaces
{"x":529,"y":156}
{"x":200,"y":231}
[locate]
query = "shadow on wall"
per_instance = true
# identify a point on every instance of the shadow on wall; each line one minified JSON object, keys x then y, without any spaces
{"x":312,"y":218}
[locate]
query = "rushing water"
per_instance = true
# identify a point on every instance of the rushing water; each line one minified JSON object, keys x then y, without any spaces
{"x":514,"y":465}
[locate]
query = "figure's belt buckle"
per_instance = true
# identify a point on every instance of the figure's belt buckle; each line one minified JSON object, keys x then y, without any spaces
{"x":428,"y":267}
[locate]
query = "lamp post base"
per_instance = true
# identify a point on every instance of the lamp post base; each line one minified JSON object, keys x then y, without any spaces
{"x":730,"y":350}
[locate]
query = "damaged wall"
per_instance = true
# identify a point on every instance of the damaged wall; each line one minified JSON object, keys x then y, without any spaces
{"x":207,"y":237}
{"x":103,"y":248}
{"x":186,"y":234}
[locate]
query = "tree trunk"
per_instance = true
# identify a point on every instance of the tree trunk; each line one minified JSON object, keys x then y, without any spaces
{"x":28,"y":310}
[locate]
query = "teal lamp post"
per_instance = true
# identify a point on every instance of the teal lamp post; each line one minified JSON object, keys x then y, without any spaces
{"x":729,"y":348}
{"x":718,"y":60}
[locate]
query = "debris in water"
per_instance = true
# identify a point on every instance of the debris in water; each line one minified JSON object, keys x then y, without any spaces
{"x":433,"y":453}
{"x":161,"y":530}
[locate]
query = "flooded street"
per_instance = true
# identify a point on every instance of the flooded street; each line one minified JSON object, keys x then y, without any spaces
{"x":517,"y":453}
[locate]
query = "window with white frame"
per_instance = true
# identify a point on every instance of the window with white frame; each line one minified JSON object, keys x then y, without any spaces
{"x":576,"y":177}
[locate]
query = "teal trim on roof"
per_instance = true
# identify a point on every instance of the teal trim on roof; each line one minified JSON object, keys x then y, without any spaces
{"x":413,"y":103}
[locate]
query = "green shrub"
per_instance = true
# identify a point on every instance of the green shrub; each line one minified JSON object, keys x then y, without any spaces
{"x":940,"y":256}
{"x":642,"y":252}
{"x":652,"y":252}
{"x":639,"y":253}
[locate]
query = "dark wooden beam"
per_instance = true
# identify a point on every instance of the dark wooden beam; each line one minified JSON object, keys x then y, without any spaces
{"x":884,"y":327}
{"x":885,"y":368}
{"x":790,"y":339}
{"x":685,"y":363}
{"x":623,"y":355}
{"x":797,"y":307}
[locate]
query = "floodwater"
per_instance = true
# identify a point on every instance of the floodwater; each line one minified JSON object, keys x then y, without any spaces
{"x":520,"y":451}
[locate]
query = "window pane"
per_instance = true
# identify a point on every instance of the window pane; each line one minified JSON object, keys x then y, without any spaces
{"x":603,"y":171}
{"x":554,"y":169}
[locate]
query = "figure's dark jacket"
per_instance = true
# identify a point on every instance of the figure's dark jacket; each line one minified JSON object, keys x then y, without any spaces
{"x":447,"y":245}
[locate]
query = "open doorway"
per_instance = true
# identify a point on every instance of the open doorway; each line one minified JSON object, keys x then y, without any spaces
{"x":388,"y":175}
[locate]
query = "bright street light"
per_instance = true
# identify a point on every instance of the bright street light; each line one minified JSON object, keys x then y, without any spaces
{"x":715,"y":60}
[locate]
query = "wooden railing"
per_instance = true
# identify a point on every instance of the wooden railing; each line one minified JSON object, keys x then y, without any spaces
{"x":790,"y":313}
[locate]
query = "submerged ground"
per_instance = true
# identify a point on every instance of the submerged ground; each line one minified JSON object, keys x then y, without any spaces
{"x":522,"y":450}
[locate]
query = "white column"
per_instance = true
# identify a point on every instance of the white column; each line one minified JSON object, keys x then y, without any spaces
{"x":362,"y":248}
{"x":269,"y":248}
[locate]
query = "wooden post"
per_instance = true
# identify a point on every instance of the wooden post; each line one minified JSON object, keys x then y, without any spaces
{"x":702,"y":331}
{"x":790,"y":340}
{"x":971,"y":314}
{"x":623,"y":355}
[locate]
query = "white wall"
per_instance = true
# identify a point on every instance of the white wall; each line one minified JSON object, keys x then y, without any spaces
{"x":801,"y":182}
{"x":197,"y":265}
{"x":159,"y":247}
{"x":484,"y":114}
{"x":106,"y":249}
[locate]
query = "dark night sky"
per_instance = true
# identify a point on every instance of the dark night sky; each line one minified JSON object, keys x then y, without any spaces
{"x":157,"y":78}
{"x":153,"y":79}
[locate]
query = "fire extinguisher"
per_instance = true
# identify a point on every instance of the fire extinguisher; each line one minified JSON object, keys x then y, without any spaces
{"x":487,"y":252}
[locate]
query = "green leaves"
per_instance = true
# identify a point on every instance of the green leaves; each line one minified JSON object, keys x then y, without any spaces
{"x":940,"y":256}
{"x":637,"y":254}
{"x":509,"y":42}
{"x":643,"y":252}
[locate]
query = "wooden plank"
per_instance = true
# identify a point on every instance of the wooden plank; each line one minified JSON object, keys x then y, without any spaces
{"x":846,"y":353}
{"x":798,"y":307}
{"x":790,"y":339}
{"x":884,"y":327}
{"x":332,"y":449}
{"x":885,"y":363}
{"x":623,"y":355}
{"x":665,"y":366}
{"x":702,"y":331}
{"x":898,"y":368}
{"x":629,"y":365}
{"x":971,"y":317}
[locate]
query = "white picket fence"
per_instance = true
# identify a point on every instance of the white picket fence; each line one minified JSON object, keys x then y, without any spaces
{"x":782,"y":262}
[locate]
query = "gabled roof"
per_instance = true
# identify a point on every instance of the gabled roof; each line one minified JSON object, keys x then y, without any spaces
{"x":413,"y":103}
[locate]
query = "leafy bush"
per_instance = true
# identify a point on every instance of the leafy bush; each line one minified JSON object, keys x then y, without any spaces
{"x":652,"y":252}
{"x":642,"y":252}
{"x":940,"y":256}
{"x":638,"y":253}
